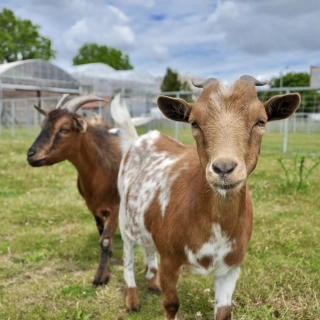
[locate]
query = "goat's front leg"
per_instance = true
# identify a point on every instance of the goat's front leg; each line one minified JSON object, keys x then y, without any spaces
{"x":102,"y":275}
{"x":224,"y":287}
{"x":169,"y":275}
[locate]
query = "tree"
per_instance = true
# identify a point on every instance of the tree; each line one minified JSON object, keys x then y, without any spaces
{"x":170,"y":81}
{"x":310,"y":99}
{"x":186,"y":87}
{"x":20,"y":39}
{"x":91,"y":52}
{"x":291,"y":79}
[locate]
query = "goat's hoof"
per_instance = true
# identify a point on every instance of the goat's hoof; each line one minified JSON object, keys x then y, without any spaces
{"x":100,"y":281}
{"x":155,"y":290}
{"x":133,"y":309}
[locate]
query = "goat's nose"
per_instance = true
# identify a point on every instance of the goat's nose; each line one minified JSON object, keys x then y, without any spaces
{"x":223,"y":168}
{"x":31,"y":152}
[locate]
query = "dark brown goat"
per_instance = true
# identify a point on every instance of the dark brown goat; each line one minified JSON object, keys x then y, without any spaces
{"x":95,"y":152}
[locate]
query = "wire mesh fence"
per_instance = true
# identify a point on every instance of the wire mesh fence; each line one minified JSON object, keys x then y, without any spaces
{"x":298,"y":134}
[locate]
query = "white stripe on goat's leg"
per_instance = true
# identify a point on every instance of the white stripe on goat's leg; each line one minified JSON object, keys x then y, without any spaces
{"x":151,"y":274}
{"x":224,"y":287}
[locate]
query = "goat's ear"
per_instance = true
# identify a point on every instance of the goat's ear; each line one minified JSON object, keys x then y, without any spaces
{"x":42,"y":111}
{"x":80,"y":124}
{"x":282,"y":107}
{"x":174,"y":109}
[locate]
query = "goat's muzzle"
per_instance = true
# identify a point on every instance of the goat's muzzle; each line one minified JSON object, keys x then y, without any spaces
{"x":31,"y":158}
{"x":226,"y":173}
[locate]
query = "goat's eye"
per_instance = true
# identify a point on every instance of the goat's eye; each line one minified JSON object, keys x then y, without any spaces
{"x":260,"y":123}
{"x":194,"y":124}
{"x":63,"y":130}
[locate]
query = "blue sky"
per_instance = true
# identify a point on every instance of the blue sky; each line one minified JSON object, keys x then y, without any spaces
{"x":217,"y":38}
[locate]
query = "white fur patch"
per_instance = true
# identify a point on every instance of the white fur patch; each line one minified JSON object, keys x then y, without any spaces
{"x":223,"y":91}
{"x":151,"y":261}
{"x":222,"y":192}
{"x":145,"y":175}
{"x":114,"y":130}
{"x":224,"y":287}
{"x":216,"y":248}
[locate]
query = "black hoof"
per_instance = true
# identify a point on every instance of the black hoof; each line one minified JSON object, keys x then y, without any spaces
{"x":135,"y":309}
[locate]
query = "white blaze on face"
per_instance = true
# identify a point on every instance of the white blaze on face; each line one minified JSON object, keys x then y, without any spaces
{"x":223,"y":91}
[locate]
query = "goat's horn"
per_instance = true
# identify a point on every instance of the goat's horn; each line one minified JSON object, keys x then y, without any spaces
{"x":204,"y":83}
{"x":253,"y":80}
{"x":74,"y":104}
{"x":62,"y":100}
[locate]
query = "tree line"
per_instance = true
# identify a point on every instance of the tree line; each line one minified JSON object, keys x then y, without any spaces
{"x":21,"y":40}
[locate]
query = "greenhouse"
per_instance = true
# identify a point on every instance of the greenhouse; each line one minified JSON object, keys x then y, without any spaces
{"x":103,"y":80}
{"x":34,"y":78}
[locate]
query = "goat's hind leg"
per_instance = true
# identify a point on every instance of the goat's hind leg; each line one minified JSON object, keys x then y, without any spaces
{"x":151,"y":273}
{"x":132,"y":300}
{"x":102,"y":275}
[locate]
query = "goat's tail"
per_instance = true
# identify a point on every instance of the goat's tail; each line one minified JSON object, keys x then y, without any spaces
{"x":123,"y":120}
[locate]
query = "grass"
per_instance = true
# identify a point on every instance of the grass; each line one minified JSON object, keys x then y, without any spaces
{"x":49,"y":249}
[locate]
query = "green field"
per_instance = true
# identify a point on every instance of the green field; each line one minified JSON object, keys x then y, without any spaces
{"x":49,"y":247}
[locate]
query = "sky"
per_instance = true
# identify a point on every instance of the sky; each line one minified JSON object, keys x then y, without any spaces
{"x":205,"y":38}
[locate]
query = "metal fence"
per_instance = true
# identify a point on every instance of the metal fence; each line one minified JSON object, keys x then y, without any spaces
{"x":299,"y":134}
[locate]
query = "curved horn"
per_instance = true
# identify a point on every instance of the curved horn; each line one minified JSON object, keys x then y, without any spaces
{"x":74,"y":104}
{"x":253,"y":80}
{"x":204,"y":83}
{"x":62,"y":100}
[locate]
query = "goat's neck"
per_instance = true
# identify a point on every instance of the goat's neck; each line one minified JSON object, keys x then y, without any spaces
{"x":96,"y":156}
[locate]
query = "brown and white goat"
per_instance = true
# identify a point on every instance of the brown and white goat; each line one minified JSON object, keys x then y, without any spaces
{"x":96,"y":154}
{"x":191,"y":203}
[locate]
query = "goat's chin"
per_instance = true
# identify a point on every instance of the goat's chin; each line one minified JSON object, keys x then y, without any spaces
{"x":223,"y":188}
{"x":37,"y":162}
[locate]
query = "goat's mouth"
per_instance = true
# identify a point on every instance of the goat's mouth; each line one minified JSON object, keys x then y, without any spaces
{"x":36,"y":162}
{"x":227,"y":186}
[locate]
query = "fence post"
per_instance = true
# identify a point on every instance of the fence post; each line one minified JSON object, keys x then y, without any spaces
{"x":1,"y":104}
{"x":309,"y":123}
{"x":35,"y":122}
{"x":12,"y":117}
{"x":176,"y":134}
{"x":285,"y":136}
{"x":285,"y":131}
{"x":26,"y":102}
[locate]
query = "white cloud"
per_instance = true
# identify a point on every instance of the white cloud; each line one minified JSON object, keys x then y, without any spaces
{"x":217,"y":38}
{"x":160,"y":53}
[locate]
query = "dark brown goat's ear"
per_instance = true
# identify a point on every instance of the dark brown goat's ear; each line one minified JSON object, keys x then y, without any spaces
{"x":42,"y":111}
{"x":80,"y":124}
{"x":282,"y":107}
{"x":174,"y":109}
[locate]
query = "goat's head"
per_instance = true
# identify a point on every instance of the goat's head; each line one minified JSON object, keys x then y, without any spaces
{"x":228,"y":123}
{"x":60,"y":130}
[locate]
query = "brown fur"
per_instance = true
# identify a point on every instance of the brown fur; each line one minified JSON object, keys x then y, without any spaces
{"x":96,"y":155}
{"x":210,"y":188}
